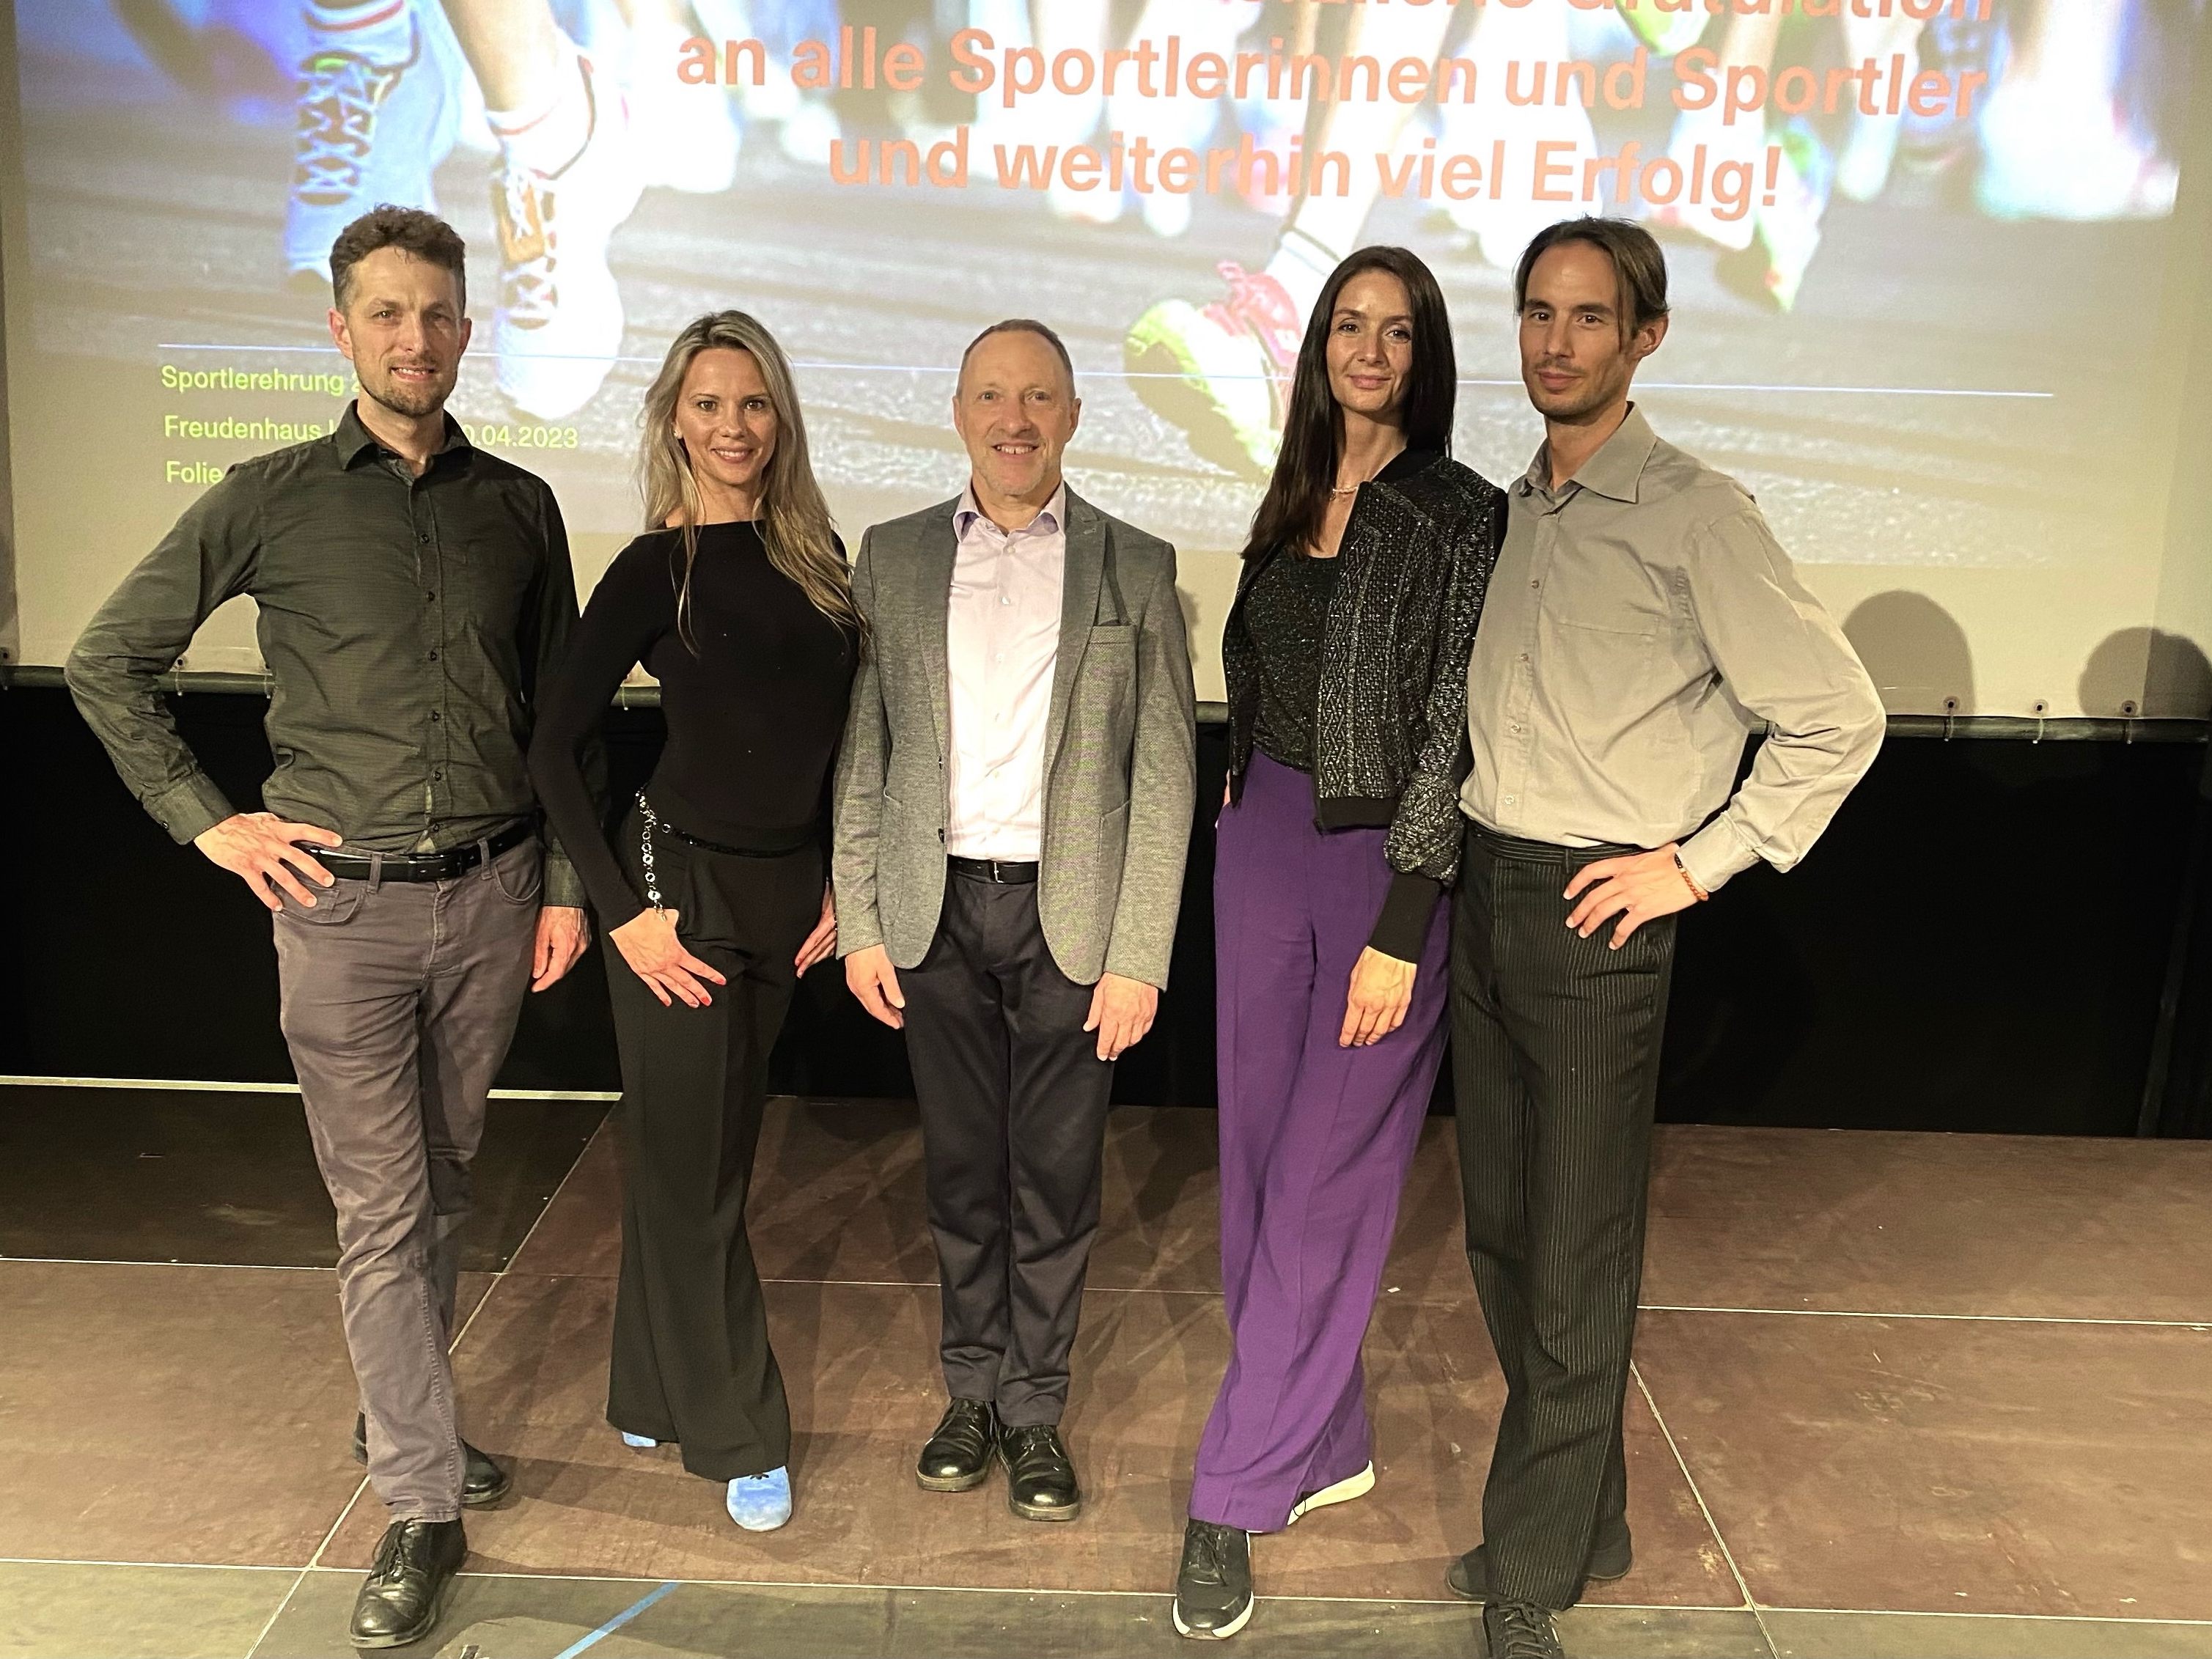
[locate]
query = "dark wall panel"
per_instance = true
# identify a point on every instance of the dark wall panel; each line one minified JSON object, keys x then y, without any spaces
{"x":1979,"y":943}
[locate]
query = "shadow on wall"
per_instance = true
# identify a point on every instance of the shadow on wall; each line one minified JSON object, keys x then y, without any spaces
{"x":1916,"y":653}
{"x":2146,"y":673}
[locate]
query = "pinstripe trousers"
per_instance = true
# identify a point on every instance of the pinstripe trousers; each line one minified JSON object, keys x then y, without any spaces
{"x":1555,"y":1063}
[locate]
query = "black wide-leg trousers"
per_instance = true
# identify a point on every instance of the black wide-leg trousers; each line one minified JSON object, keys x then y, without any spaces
{"x":691,"y":1361}
{"x":1555,"y":1063}
{"x":1014,"y":1100}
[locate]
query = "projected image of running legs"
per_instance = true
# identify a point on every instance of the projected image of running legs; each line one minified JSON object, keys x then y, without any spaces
{"x":1221,"y":372}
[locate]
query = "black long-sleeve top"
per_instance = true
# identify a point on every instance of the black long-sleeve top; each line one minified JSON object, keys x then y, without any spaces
{"x":754,"y":714}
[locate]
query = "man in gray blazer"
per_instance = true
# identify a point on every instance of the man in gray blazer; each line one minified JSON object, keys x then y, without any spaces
{"x":1013,"y":805}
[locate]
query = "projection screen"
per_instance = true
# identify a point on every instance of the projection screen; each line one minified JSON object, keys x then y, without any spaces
{"x":1933,"y":303}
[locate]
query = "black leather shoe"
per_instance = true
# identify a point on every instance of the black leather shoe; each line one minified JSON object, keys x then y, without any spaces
{"x":483,"y":1483}
{"x":1519,"y":1630}
{"x":1040,"y":1476}
{"x":1213,"y":1586}
{"x":957,"y":1457}
{"x":1469,"y":1577}
{"x":414,"y":1567}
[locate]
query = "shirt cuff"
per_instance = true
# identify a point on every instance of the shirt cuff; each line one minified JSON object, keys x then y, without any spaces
{"x":1403,"y":927}
{"x":190,"y":808}
{"x":564,"y":888}
{"x":1715,"y":853}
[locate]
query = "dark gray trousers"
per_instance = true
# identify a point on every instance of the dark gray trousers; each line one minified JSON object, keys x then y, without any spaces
{"x":398,"y":1002}
{"x":1013,"y":1102}
{"x":1555,"y":1062}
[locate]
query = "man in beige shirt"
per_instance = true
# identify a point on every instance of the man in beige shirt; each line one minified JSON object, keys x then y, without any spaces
{"x":1641,"y":624}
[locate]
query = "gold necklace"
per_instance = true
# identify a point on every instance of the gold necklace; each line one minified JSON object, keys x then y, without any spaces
{"x":1337,"y":491}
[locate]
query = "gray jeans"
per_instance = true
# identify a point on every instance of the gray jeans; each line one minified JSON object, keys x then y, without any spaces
{"x":399,"y":1000}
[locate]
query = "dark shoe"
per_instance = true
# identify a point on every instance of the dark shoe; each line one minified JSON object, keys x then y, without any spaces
{"x":1040,"y":1476}
{"x":414,"y":1567}
{"x":483,"y":1483}
{"x":1469,"y":1577}
{"x":1519,"y":1630}
{"x":957,"y":1457}
{"x":1213,"y":1586}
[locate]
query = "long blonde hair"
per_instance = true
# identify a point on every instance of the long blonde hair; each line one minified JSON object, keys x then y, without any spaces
{"x":795,"y":525}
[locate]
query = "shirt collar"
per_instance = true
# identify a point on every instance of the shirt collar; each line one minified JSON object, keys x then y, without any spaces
{"x":1613,"y":472}
{"x":1048,"y":522}
{"x":355,"y":440}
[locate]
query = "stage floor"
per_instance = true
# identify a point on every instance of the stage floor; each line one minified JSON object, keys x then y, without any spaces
{"x":1894,"y":1395}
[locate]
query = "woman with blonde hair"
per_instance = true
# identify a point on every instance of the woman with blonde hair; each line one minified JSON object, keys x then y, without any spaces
{"x":712,"y":898}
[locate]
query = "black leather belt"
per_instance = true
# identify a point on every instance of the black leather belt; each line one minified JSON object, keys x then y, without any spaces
{"x":996,"y":870}
{"x":420,"y":866}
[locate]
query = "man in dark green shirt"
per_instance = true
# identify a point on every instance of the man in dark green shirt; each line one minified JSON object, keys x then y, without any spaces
{"x":413,"y":592}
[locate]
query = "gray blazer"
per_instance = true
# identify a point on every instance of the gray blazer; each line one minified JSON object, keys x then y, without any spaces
{"x":1121,"y":751}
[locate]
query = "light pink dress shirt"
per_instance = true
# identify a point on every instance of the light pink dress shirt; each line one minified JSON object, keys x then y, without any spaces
{"x":1002,"y":639}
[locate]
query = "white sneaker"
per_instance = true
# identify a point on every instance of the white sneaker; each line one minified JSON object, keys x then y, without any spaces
{"x":1745,"y":141}
{"x":2064,"y":153}
{"x":367,"y":132}
{"x":685,"y":136}
{"x":559,"y":324}
{"x":1502,"y":229}
{"x":810,"y":131}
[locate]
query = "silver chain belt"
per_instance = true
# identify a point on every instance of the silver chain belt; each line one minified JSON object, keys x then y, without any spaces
{"x":645,"y":850}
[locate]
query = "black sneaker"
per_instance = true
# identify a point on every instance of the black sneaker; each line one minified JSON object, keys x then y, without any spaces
{"x":957,"y":1457}
{"x":414,"y":1569}
{"x":1213,"y":1586}
{"x":483,"y":1483}
{"x":1610,"y":1557}
{"x":1519,"y":1630}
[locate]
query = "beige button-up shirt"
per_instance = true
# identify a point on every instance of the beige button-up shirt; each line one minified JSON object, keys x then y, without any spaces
{"x":1002,"y":643}
{"x":1642,"y":622}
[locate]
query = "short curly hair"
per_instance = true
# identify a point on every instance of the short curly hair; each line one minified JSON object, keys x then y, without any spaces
{"x":410,"y":230}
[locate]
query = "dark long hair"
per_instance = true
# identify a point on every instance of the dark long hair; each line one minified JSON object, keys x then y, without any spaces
{"x":1313,"y":430}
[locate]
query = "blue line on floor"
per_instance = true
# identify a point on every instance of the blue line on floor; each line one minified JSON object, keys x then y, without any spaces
{"x":614,"y":1624}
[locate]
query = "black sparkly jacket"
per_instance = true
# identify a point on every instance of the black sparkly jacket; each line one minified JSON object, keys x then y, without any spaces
{"x":1390,"y":734}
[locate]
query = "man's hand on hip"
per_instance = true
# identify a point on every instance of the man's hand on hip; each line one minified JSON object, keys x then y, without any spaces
{"x":563,"y":931}
{"x":872,"y":978}
{"x":1637,"y":887}
{"x":1121,"y":1011}
{"x":258,"y":848}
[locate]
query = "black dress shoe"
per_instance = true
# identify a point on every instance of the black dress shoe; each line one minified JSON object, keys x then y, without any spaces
{"x":1040,"y":1476}
{"x":957,"y":1457}
{"x":1469,"y":1577}
{"x":1519,"y":1630}
{"x":483,"y":1483}
{"x":414,"y":1567}
{"x":1213,"y":1586}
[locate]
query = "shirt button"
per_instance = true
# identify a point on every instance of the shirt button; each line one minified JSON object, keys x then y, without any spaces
{"x":1524,"y":656}
{"x":429,"y":598}
{"x":435,"y":715}
{"x":1510,"y":799}
{"x":434,"y":656}
{"x":1535,"y":587}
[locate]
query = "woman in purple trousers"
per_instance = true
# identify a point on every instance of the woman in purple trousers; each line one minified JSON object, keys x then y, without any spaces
{"x":1347,"y":653}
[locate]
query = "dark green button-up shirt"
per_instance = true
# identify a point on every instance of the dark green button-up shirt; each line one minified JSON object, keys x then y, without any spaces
{"x":406,"y":622}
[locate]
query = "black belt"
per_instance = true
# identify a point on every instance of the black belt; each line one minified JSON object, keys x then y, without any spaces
{"x":996,"y":870}
{"x":421,"y":866}
{"x":1544,"y":851}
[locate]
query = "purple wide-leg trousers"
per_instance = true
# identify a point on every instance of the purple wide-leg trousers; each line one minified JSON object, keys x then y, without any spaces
{"x":1315,"y":1140}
